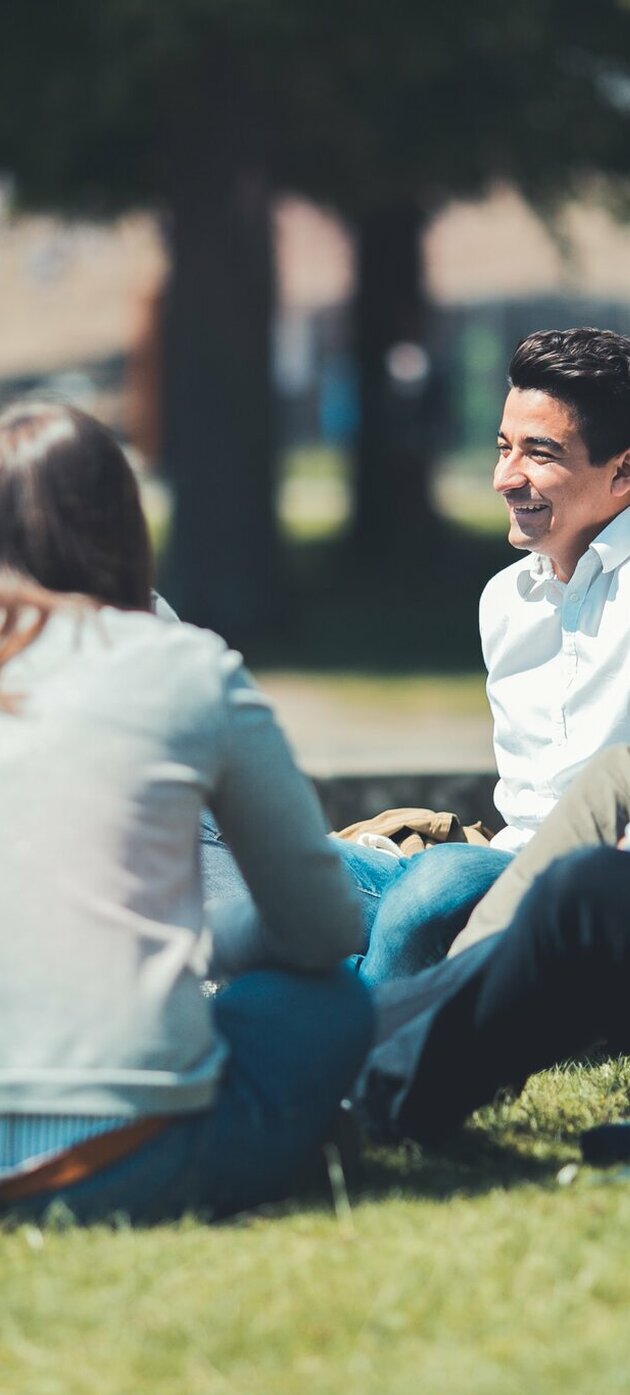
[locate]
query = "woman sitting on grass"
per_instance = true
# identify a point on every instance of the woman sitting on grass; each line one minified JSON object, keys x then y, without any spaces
{"x":121,"y":1087}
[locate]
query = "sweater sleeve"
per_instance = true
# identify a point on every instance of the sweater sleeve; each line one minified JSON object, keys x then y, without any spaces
{"x":305,"y":912}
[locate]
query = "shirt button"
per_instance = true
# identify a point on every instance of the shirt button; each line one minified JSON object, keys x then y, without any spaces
{"x":574,"y":596}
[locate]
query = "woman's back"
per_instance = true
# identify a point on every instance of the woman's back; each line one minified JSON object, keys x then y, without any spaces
{"x":103,"y":770}
{"x":124,"y":724}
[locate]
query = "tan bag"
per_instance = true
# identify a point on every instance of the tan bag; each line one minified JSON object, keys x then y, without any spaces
{"x":413,"y":830}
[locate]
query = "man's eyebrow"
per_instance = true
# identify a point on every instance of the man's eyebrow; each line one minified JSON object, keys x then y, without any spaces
{"x":545,"y":441}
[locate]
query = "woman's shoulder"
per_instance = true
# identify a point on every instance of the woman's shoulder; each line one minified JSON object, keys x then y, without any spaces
{"x":132,"y":660}
{"x":145,"y":634}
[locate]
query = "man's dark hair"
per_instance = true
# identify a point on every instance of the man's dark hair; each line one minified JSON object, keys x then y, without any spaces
{"x":589,"y":370}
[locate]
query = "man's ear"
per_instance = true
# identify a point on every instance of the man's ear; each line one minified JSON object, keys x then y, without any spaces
{"x":620,"y":483}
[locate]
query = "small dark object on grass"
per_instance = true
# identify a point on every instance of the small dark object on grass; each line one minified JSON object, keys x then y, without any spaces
{"x":607,"y":1143}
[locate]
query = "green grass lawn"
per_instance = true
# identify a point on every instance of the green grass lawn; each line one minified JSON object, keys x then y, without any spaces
{"x":472,"y":1272}
{"x":462,"y":491}
{"x":385,"y":696}
{"x":315,"y":491}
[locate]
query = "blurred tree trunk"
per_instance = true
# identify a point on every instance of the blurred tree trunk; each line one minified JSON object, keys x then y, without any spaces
{"x":218,"y":402}
{"x":393,"y":454}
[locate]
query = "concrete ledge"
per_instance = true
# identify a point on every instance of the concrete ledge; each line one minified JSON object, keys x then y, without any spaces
{"x":347,"y":798}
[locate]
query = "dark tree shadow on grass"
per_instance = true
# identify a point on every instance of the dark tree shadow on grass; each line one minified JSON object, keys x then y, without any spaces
{"x":417,"y":613}
{"x":469,"y":1163}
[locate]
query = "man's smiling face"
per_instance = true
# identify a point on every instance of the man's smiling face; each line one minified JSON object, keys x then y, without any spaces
{"x":557,"y":500}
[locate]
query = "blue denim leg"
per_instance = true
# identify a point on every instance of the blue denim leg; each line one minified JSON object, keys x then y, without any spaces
{"x":426,"y":907}
{"x":297,"y":1043}
{"x":372,"y":872}
{"x":221,"y":879}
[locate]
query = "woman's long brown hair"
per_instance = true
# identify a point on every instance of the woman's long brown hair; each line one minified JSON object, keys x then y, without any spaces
{"x":72,"y":531}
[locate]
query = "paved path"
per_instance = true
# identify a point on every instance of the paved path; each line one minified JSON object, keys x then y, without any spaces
{"x":347,"y":730}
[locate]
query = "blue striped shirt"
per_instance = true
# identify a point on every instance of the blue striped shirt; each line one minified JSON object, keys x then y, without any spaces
{"x":28,"y":1138}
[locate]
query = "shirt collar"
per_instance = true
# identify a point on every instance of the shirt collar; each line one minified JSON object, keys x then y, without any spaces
{"x":540,"y":568}
{"x":611,"y":547}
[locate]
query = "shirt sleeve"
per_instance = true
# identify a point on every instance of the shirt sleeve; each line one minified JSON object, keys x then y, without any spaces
{"x":161,"y":608}
{"x":305,"y":911}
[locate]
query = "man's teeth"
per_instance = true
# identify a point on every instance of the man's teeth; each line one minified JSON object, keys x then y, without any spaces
{"x":529,"y":508}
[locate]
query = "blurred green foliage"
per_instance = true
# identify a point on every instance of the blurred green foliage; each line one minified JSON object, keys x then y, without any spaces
{"x":355,"y":104}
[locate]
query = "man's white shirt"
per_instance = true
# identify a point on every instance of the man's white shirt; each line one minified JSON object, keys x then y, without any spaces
{"x":558,"y":661}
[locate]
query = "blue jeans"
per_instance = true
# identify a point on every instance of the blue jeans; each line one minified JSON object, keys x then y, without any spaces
{"x":412,"y":907}
{"x":371,"y":871}
{"x":296,"y":1044}
{"x":425,"y":907}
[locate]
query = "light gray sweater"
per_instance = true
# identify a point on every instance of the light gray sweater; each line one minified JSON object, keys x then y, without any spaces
{"x":126,"y":725}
